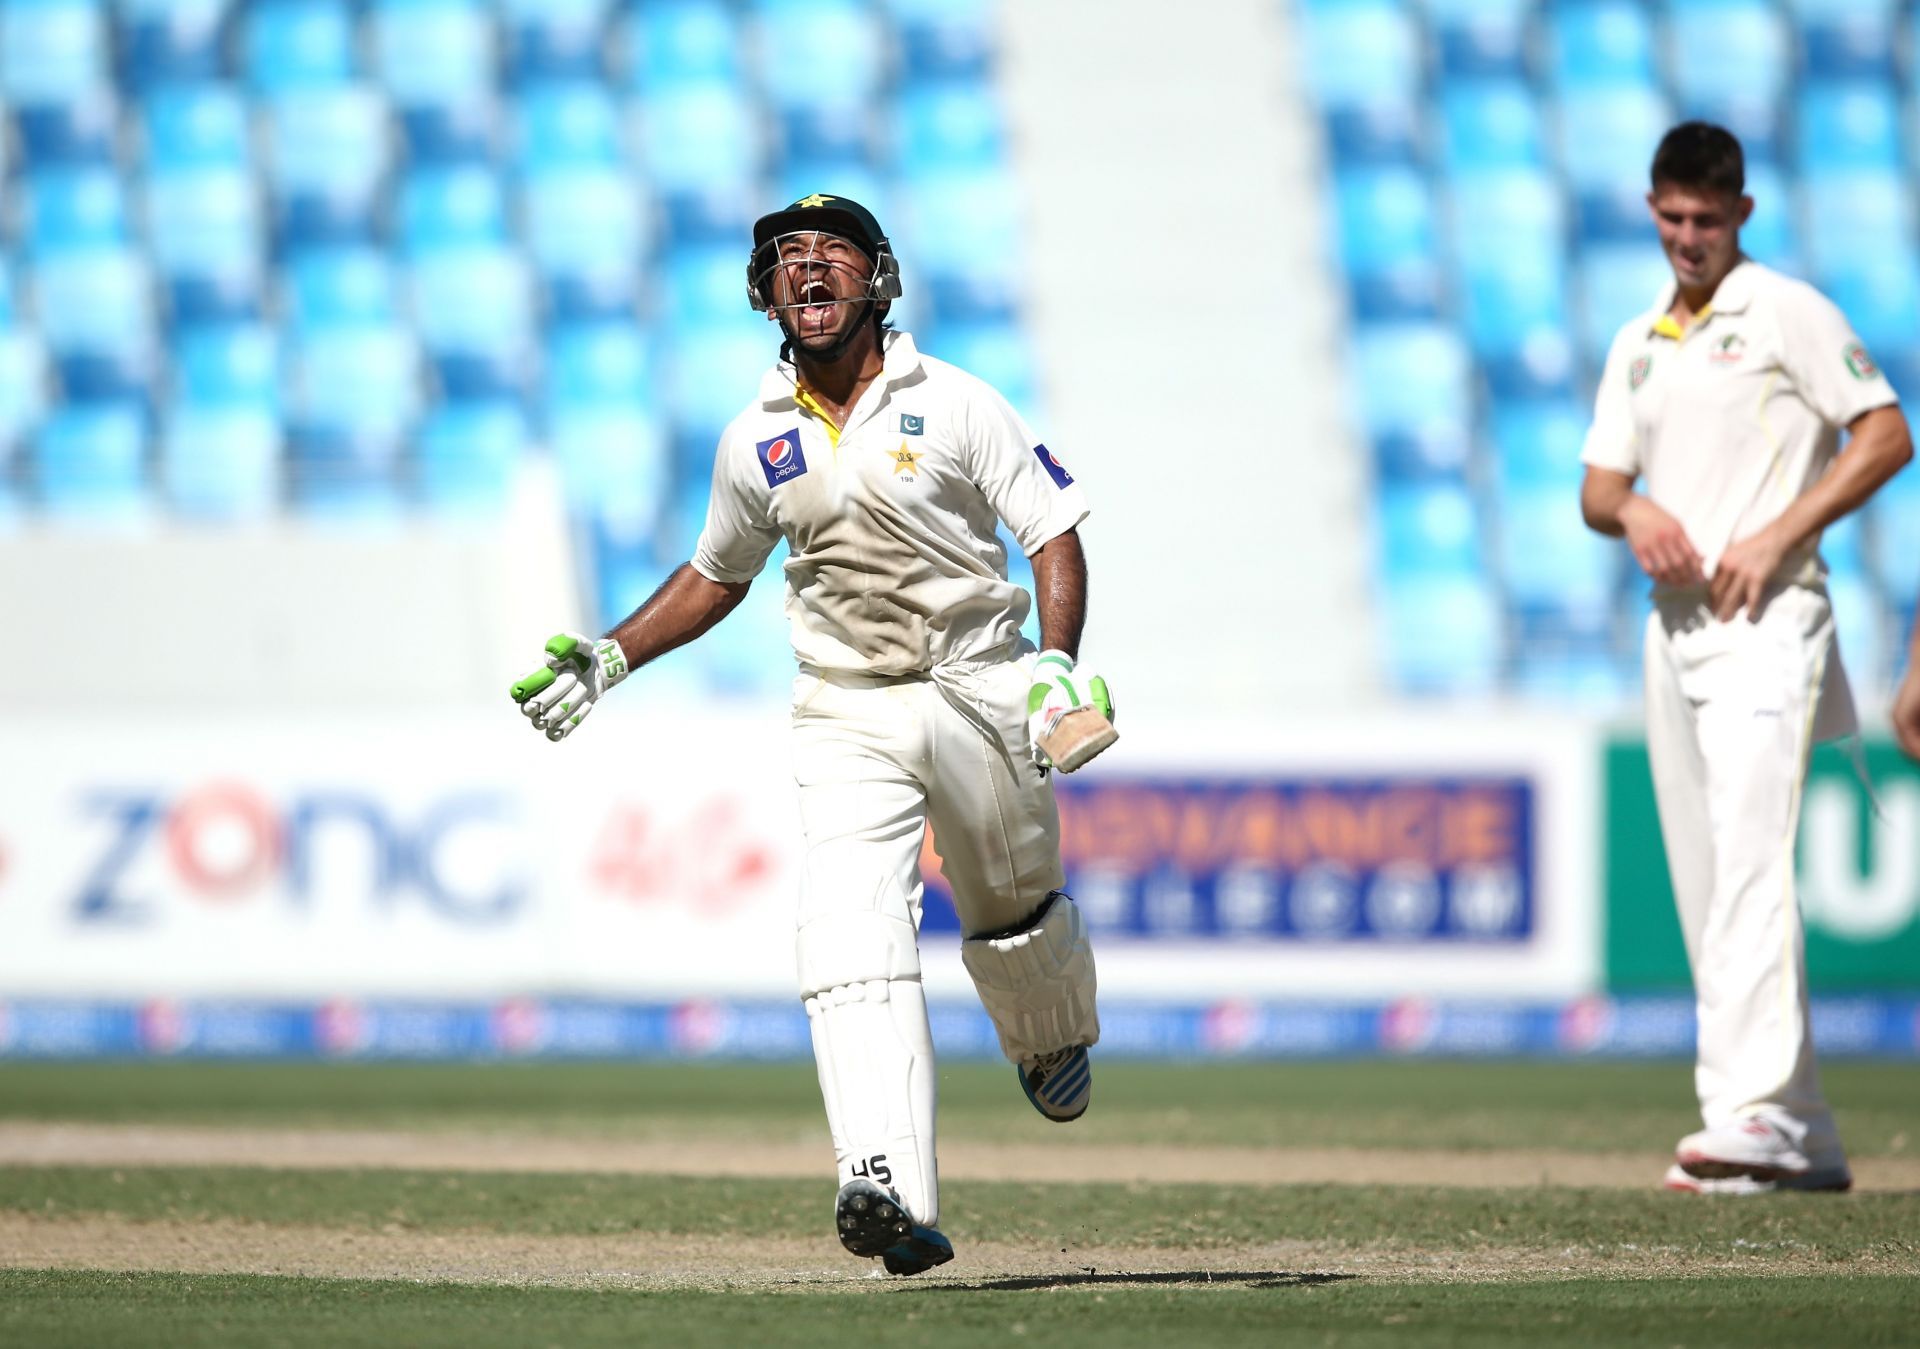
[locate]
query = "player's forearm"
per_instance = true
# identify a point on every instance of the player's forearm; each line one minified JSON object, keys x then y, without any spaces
{"x":684,"y":606}
{"x":1881,"y":447}
{"x":1603,"y":496}
{"x":1060,"y":586}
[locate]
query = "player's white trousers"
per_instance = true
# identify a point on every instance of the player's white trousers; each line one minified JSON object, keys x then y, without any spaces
{"x":1730,"y":722}
{"x":876,"y":759}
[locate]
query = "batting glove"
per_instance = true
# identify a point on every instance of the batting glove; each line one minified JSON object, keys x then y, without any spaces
{"x":578,"y":672}
{"x":1059,"y":687}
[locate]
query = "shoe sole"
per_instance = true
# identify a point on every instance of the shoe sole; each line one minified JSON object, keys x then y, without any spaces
{"x":869,"y":1221}
{"x":1702,"y":1167}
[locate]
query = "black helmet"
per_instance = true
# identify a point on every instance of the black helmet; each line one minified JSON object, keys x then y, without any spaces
{"x":842,"y":217}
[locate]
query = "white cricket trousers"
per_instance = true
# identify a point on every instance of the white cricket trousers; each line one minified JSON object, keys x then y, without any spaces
{"x":876,"y":760}
{"x":1730,"y":722}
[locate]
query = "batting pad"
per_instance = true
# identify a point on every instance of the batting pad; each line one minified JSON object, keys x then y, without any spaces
{"x":860,"y":977}
{"x":1038,"y":984}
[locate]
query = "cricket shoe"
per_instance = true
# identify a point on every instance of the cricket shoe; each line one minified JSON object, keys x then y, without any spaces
{"x":873,"y":1222}
{"x":1829,"y":1181}
{"x":1059,"y":1084}
{"x":1756,"y":1149}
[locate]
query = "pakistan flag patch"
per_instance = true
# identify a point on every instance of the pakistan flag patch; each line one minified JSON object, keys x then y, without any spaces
{"x":1859,"y":362}
{"x":1637,"y":372}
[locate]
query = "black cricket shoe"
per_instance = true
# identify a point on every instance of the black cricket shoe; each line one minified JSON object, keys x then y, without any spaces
{"x":872,"y":1221}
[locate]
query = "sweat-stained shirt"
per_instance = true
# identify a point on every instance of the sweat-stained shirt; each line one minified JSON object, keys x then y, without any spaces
{"x":894,"y":566}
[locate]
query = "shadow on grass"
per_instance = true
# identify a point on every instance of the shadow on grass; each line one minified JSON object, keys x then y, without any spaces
{"x":1253,"y":1278}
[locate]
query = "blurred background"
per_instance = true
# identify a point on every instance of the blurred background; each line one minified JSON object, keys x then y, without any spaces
{"x":350,"y":348}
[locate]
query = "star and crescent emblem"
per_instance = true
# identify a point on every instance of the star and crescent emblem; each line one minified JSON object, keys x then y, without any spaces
{"x":817,"y":199}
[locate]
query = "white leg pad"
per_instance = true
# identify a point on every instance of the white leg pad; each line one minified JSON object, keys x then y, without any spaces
{"x":859,"y":973}
{"x":1038,"y":985}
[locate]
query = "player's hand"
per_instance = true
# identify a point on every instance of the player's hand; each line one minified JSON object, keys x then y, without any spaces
{"x":1660,"y":545}
{"x":1906,"y":713}
{"x":1741,"y":576}
{"x":1061,"y":686}
{"x":557,"y":696}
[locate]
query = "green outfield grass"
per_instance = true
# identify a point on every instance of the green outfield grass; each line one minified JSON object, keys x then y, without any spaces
{"x":1466,"y":1105}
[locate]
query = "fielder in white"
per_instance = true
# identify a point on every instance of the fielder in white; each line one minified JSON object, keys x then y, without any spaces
{"x":917,"y":700}
{"x":1726,"y":401}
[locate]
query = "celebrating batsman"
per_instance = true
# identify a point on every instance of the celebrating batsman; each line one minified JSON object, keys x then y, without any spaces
{"x":1728,"y":397}
{"x":917,"y":700}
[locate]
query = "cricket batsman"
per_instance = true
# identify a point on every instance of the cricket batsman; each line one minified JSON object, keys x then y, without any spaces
{"x":1726,"y":401}
{"x":917,"y":699}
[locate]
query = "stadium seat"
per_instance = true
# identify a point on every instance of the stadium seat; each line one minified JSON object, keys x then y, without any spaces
{"x":1538,"y":444}
{"x":1443,"y":634}
{"x":1359,"y":53}
{"x":1615,"y":215}
{"x":791,"y":31}
{"x":52,"y":51}
{"x":78,"y":208}
{"x":586,"y":230}
{"x":1480,"y":39}
{"x":1422,"y":454}
{"x":378,"y":363}
{"x":445,"y":134}
{"x":612,"y":460}
{"x":474,"y":311}
{"x":195,"y":126}
{"x":1728,"y":48}
{"x":1385,"y":131}
{"x":95,"y":302}
{"x":573,"y":124}
{"x":226,"y":366}
{"x":467,"y":456}
{"x":951,"y":123}
{"x":221,"y":462}
{"x":1506,"y":216}
{"x":694,"y":136}
{"x":205,"y":222}
{"x":330,"y":152}
{"x":1847,"y":41}
{"x":90,"y":463}
{"x":1385,"y":218}
{"x":704,"y":284}
{"x":1879,"y":208}
{"x":1490,"y":124}
{"x":1608,"y":134}
{"x":591,"y":364}
{"x":1548,"y":558}
{"x":339,"y":287}
{"x":23,"y":389}
{"x":289,"y":45}
{"x":70,"y":133}
{"x":1615,"y":282}
{"x":672,"y":42}
{"x":945,"y":39}
{"x":553,"y":39}
{"x":707,"y":368}
{"x":1848,"y":126}
{"x":456,"y":206}
{"x":1880,"y":294}
{"x":166,"y":42}
{"x":1770,"y":234}
{"x":1597,"y":44}
{"x":432,"y":53}
{"x":344,"y":474}
{"x":1416,"y":375}
{"x":1429,"y":528}
{"x":1506,"y":308}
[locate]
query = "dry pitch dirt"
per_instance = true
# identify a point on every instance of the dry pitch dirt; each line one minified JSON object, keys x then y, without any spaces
{"x":641,"y":1260}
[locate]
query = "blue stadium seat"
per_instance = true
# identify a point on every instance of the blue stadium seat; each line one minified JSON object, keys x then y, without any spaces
{"x":1880,"y":294}
{"x":1879,"y":208}
{"x":468,"y":132}
{"x":673,"y":42}
{"x":1361,"y":52}
{"x":1386,"y":131}
{"x":68,"y":133}
{"x":568,"y":125}
{"x":1608,"y":134}
{"x":553,"y":39}
{"x":205,"y":222}
{"x":1848,"y":126}
{"x":23,"y":388}
{"x":586,"y":230}
{"x":953,"y":122}
{"x":1385,"y":218}
{"x":1616,"y":215}
{"x":193,"y":126}
{"x":1846,"y":41}
{"x":695,"y":136}
{"x":1538,"y":444}
{"x":474,"y":310}
{"x":1428,"y":527}
{"x":52,"y":51}
{"x":1504,"y":309}
{"x":228,"y":365}
{"x":1593,"y":678}
{"x":1729,"y":48}
{"x":591,"y":364}
{"x":704,"y":284}
{"x":1616,"y":281}
{"x":1507,"y":217}
{"x":1770,"y":234}
{"x":289,"y":45}
{"x":330,"y":153}
{"x":457,"y":206}
{"x":945,"y":39}
{"x":1490,"y":124}
{"x":79,"y":208}
{"x":224,"y":297}
{"x":1443,"y":634}
{"x":1547,"y":555}
{"x":1601,"y":44}
{"x":344,"y":474}
{"x":221,"y":463}
{"x":90,"y":462}
{"x":339,"y":287}
{"x":1423,"y":454}
{"x":613,"y":460}
{"x":96,"y":302}
{"x":432,"y":53}
{"x":1480,"y":39}
{"x":169,"y":41}
{"x":1413,"y":376}
{"x":711,"y":369}
{"x":850,"y":29}
{"x":379,"y":363}
{"x":468,"y":454}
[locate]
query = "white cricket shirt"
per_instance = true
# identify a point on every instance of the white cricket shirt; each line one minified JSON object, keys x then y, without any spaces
{"x":1731,"y":419}
{"x":894,"y":564}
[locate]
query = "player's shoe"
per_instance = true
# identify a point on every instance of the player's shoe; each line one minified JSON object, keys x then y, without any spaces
{"x":1822,"y":1180}
{"x":1755,"y":1149}
{"x":873,"y":1222}
{"x":1059,"y":1084}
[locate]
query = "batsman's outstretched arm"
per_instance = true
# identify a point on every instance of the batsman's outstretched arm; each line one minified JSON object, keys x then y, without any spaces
{"x":557,"y":697}
{"x":1062,"y":687}
{"x":1060,"y":585}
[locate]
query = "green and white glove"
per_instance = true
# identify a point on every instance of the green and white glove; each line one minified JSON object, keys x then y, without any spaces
{"x":579,"y":670}
{"x":1059,"y":687}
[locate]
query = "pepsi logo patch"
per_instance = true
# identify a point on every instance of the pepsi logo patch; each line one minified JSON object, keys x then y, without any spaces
{"x":781,"y":457}
{"x":1055,"y":469}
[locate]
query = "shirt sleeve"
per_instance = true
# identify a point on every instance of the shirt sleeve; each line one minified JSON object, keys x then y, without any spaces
{"x":738,"y":534}
{"x":1612,"y":442}
{"x":1028,"y":487}
{"x":1826,"y":361}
